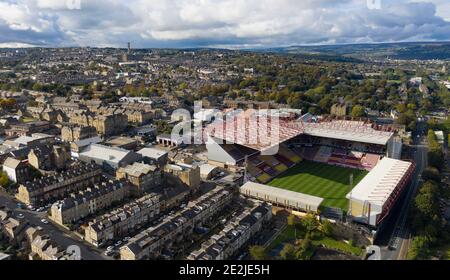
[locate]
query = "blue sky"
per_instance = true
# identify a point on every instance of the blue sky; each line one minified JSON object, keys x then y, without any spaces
{"x":220,"y":23}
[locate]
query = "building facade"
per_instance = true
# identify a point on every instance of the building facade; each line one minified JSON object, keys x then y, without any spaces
{"x":142,"y":176}
{"x":89,"y":201}
{"x":73,"y":133}
{"x":150,"y":242}
{"x":41,"y":190}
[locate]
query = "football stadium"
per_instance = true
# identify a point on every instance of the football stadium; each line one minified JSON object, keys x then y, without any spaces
{"x":335,"y":166}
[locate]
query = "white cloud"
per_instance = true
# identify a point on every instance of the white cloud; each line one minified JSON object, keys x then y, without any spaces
{"x":150,"y":23}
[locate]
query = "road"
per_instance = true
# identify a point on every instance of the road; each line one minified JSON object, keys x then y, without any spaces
{"x":60,"y":236}
{"x":399,"y":240}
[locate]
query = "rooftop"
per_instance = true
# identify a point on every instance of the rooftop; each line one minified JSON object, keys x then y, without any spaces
{"x":153,"y":153}
{"x":282,"y":195}
{"x":357,"y":131}
{"x":137,"y":169}
{"x":259,"y":133}
{"x":378,"y":185}
{"x":105,"y":153}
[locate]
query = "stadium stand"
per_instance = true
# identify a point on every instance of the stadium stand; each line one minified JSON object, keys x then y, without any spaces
{"x":288,"y":154}
{"x":369,"y":161}
{"x":323,"y":154}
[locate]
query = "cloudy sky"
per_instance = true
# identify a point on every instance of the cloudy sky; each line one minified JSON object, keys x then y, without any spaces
{"x":220,"y":23}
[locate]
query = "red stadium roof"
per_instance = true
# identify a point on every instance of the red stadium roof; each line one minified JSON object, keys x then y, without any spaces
{"x":258,"y":132}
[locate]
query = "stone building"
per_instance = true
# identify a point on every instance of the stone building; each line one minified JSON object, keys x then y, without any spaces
{"x":44,"y":248}
{"x":144,"y":177}
{"x":183,"y":174}
{"x":26,"y":129}
{"x":88,"y":201}
{"x":16,"y":170}
{"x":133,"y":216}
{"x":177,"y":227}
{"x":49,"y":157}
{"x":41,"y":190}
{"x":236,"y":233}
{"x":105,"y":125}
{"x":72,"y":133}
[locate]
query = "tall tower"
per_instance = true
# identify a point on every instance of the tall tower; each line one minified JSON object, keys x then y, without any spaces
{"x":129,"y":47}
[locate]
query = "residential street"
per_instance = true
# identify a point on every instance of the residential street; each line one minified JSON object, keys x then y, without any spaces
{"x":59,"y":235}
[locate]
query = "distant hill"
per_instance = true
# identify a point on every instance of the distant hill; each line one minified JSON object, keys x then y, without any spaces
{"x":420,"y":51}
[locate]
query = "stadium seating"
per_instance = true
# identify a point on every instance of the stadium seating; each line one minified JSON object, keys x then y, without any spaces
{"x":323,"y":154}
{"x":289,"y":154}
{"x":284,"y":160}
{"x":369,"y":161}
{"x":263,"y":178}
{"x":234,"y":152}
{"x":350,"y":159}
{"x":310,"y":153}
{"x":253,"y":170}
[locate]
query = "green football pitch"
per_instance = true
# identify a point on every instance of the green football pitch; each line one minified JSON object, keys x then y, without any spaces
{"x":332,"y":183}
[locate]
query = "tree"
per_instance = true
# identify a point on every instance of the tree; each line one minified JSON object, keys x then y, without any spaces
{"x":258,"y":253}
{"x":420,"y":248}
{"x":292,"y":220}
{"x":358,"y":111}
{"x":431,"y":173}
{"x":305,"y":247}
{"x":327,"y":228}
{"x":426,"y":216}
{"x":8,"y":103}
{"x":310,"y":223}
{"x":425,"y":200}
{"x":288,"y":252}
{"x":4,"y":180}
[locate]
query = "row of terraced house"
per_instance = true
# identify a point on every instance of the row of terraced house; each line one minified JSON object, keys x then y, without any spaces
{"x":174,"y":229}
{"x":133,"y":216}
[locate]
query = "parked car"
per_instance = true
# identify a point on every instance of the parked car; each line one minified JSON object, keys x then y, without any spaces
{"x":109,"y":253}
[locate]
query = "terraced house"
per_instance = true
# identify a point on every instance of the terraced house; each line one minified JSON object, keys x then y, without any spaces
{"x":89,"y":201}
{"x":132,"y":216}
{"x":150,"y":242}
{"x":235,"y":234}
{"x":41,"y":190}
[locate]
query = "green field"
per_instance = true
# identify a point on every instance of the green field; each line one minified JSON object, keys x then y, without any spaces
{"x":322,"y":180}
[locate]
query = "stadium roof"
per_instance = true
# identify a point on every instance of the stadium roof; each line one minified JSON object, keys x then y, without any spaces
{"x":379,"y":184}
{"x":259,"y":133}
{"x":282,"y":195}
{"x":348,"y":130}
{"x":248,"y":131}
